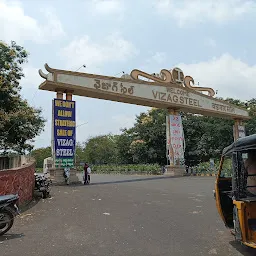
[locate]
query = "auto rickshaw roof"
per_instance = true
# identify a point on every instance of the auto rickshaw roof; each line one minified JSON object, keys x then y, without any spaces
{"x":242,"y":144}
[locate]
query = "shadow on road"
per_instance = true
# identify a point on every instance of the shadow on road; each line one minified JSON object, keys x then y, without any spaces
{"x":244,"y":250}
{"x":133,"y":180}
{"x":36,"y":198}
{"x":11,"y":236}
{"x":120,"y":181}
{"x":77,"y":184}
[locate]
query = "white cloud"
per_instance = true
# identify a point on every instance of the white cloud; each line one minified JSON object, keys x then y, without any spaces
{"x":211,"y":42}
{"x":154,"y":63}
{"x":44,"y":139}
{"x":196,"y":11}
{"x":230,"y":76}
{"x":32,"y":79}
{"x":112,"y":125}
{"x":113,"y":48}
{"x":16,"y":25}
{"x":106,"y":6}
{"x":158,"y":57}
{"x":124,"y":121}
{"x":30,"y":84}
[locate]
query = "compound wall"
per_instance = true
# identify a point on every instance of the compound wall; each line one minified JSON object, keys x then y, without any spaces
{"x":19,"y":181}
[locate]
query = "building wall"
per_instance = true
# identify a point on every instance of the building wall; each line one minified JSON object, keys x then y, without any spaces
{"x":19,"y":181}
{"x":4,"y":163}
{"x":48,"y":163}
{"x":9,"y":162}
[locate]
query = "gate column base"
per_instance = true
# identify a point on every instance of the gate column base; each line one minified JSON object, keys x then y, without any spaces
{"x":56,"y":175}
{"x":175,"y":170}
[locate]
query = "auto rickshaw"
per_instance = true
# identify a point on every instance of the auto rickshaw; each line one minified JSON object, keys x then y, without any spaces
{"x":235,"y":189}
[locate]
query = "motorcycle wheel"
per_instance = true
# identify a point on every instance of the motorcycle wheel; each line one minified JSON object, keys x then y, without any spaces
{"x":6,"y":221}
{"x":44,"y":194}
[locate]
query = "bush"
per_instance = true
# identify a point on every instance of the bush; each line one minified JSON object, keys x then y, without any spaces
{"x":39,"y":170}
{"x":204,"y":168}
{"x":147,"y":169}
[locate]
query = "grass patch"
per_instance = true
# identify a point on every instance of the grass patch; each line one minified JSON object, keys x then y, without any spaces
{"x":143,"y":169}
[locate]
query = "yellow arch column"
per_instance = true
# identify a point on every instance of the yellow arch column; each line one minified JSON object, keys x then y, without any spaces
{"x":69,"y":95}
{"x":59,"y":94}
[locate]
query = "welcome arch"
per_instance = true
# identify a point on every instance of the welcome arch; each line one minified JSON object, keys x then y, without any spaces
{"x":168,"y":90}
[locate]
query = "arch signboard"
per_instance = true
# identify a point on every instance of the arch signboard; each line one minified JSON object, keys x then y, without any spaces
{"x":168,"y":90}
{"x":171,"y":90}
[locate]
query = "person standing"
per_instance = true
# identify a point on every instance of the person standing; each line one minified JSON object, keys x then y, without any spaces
{"x":66,"y":174}
{"x":88,"y":175}
{"x":87,"y":172}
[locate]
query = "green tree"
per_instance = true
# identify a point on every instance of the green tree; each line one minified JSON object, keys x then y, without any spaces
{"x":250,"y":105}
{"x":205,"y":137}
{"x":101,"y":150}
{"x":80,"y":153}
{"x":123,"y":143}
{"x":250,"y":125}
{"x":139,"y":151}
{"x":40,"y":154}
{"x":19,"y":122}
{"x":150,"y":128}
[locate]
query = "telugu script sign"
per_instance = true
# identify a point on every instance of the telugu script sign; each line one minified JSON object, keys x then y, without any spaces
{"x":64,"y":131}
{"x":162,"y":95}
{"x":163,"y":92}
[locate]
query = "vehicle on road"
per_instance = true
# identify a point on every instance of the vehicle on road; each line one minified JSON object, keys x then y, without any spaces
{"x":42,"y":184}
{"x":235,"y":189}
{"x":8,"y":211}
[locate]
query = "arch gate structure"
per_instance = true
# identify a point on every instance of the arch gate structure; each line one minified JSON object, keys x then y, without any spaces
{"x":170,"y":89}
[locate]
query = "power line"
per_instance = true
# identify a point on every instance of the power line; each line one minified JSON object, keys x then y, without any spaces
{"x":81,"y":124}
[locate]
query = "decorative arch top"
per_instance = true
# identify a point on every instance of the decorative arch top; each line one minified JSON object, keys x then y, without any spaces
{"x":170,"y":90}
{"x":174,"y":76}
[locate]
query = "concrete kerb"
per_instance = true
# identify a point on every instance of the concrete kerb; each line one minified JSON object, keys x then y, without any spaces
{"x":63,"y":183}
{"x":169,"y":175}
{"x":205,"y":175}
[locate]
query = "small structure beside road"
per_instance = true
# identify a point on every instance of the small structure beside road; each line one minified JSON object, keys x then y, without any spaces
{"x":17,"y":177}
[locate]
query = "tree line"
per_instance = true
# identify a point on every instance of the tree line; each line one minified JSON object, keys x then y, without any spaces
{"x":19,"y":122}
{"x":145,"y":142}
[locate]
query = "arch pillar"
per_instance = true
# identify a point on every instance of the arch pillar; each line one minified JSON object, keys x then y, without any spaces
{"x":69,"y":95}
{"x":174,"y":144}
{"x":238,"y":129}
{"x":59,"y":94}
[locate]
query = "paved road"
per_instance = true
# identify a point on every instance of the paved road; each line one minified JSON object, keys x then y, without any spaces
{"x":124,"y":215}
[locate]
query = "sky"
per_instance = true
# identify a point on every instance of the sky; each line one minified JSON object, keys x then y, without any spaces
{"x":211,"y":40}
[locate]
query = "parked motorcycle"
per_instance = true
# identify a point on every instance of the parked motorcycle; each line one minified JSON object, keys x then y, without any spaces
{"x":42,"y":184}
{"x":8,"y":211}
